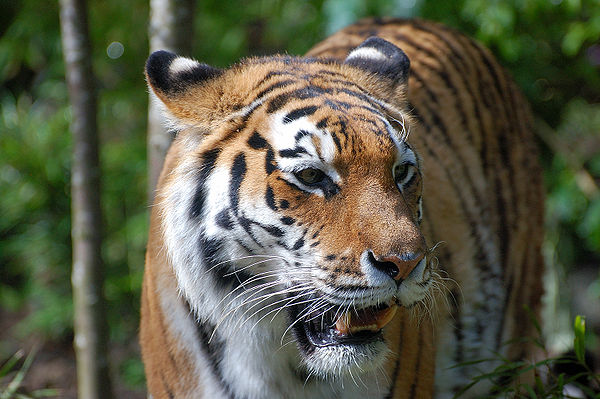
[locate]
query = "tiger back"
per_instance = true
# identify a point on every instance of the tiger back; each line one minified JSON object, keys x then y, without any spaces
{"x":350,"y":224}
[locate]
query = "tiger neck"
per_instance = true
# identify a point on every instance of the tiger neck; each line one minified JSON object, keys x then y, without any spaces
{"x":253,"y":363}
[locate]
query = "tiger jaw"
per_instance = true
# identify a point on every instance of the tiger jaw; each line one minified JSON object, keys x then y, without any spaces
{"x":350,"y":338}
{"x":354,"y":326}
{"x":333,"y":345}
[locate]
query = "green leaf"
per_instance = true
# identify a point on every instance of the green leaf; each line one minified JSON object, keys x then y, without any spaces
{"x":10,"y":363}
{"x":530,"y":391}
{"x":579,"y":343}
{"x":16,"y":382}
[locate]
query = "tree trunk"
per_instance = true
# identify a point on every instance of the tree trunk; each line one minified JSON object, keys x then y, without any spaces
{"x":91,"y":347}
{"x":171,"y":28}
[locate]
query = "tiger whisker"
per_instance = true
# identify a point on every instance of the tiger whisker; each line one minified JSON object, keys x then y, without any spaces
{"x":287,"y":299}
{"x":270,"y":257}
{"x":257,"y":299}
{"x":246,"y":291}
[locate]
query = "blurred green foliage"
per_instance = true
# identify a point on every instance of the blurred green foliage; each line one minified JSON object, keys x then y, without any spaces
{"x":551,"y":47}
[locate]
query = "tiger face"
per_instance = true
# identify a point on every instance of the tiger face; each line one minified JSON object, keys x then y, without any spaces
{"x":291,"y":201}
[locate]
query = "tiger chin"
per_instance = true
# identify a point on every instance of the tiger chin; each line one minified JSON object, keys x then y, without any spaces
{"x":290,"y":246}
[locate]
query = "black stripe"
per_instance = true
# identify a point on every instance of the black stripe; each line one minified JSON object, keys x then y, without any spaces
{"x":300,"y":113}
{"x":224,"y":219}
{"x":292,"y":152}
{"x":456,"y":313}
{"x":214,"y":348}
{"x":281,"y":100}
{"x":415,"y":382}
{"x":211,"y":252}
{"x":270,"y":198}
{"x":257,"y":142}
{"x":247,"y":226}
{"x":298,"y":244}
{"x":287,"y":220}
{"x":481,"y":261}
{"x":499,"y":113}
{"x":272,"y":230}
{"x":463,"y":71}
{"x":337,"y":105}
{"x":274,"y":86}
{"x":198,"y":201}
{"x":322,"y":124}
{"x":495,"y":97}
{"x":273,"y":74}
{"x":394,"y":376}
{"x":343,"y":127}
{"x":307,"y":92}
{"x":361,"y":96}
{"x":336,"y":140}
{"x":443,"y":132}
{"x":504,"y":206}
{"x":238,"y":172}
{"x":208,"y":161}
{"x":502,"y":102}
{"x":300,"y":134}
{"x":270,"y":164}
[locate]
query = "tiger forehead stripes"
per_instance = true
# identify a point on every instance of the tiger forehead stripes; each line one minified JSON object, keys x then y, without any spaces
{"x":293,"y":248}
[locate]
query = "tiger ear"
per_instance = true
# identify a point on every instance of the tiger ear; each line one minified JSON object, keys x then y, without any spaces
{"x":382,"y":58}
{"x":181,"y":84}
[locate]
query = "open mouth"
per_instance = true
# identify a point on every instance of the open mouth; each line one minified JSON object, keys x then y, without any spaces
{"x":352,"y":327}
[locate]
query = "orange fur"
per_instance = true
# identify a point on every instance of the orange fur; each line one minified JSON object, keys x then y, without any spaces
{"x":481,"y":188}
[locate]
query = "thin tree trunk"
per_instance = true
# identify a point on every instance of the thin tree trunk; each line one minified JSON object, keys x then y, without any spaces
{"x":87,"y":275}
{"x":171,"y":28}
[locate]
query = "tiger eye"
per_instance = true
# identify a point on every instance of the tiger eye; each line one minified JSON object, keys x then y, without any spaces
{"x":400,"y":172}
{"x":310,"y":176}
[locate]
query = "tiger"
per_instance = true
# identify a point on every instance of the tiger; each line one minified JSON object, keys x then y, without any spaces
{"x":364,"y":221}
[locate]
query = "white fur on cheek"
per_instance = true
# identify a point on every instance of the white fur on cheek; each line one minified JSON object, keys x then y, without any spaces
{"x":180,"y":235}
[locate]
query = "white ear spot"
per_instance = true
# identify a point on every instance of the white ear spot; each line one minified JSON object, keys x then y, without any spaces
{"x":182,"y":64}
{"x":367,"y":53}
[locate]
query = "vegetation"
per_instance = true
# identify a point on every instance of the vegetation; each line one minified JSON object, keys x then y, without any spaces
{"x":14,"y":376}
{"x":552,"y":377}
{"x":551,"y":47}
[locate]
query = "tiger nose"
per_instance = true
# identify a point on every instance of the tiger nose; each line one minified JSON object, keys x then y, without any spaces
{"x":397,"y":267}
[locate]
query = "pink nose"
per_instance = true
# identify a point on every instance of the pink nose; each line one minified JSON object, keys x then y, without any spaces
{"x":403,"y":266}
{"x":397,"y":267}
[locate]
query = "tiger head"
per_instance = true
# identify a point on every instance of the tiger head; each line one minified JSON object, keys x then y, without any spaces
{"x":291,"y":201}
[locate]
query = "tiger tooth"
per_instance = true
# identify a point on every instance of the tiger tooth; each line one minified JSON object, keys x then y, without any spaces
{"x":342,"y":324}
{"x":351,"y":323}
{"x":386,"y":316}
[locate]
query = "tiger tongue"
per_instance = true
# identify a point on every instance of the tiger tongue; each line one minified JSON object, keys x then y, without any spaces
{"x":369,"y":319}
